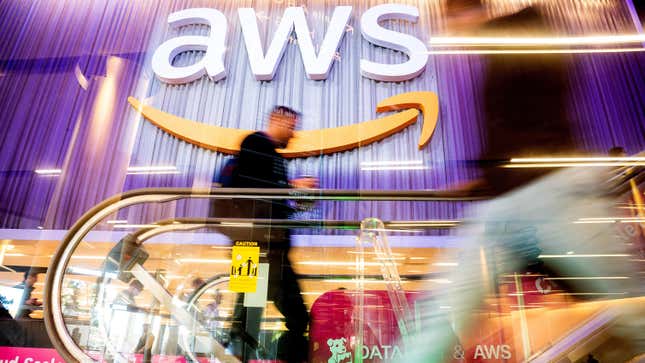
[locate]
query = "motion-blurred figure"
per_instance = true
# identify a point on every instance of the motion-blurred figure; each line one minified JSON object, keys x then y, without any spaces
{"x":31,"y":277}
{"x":127,"y":296}
{"x":536,"y":209}
{"x":259,"y":165}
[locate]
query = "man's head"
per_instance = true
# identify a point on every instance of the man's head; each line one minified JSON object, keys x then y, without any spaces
{"x":282,"y":122}
{"x":31,"y":278}
{"x":135,"y":287}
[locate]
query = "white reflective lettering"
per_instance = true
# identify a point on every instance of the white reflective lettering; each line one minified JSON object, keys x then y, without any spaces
{"x":413,"y":47}
{"x":386,"y":351}
{"x":492,"y":351}
{"x":376,"y":352}
{"x":395,"y":351}
{"x":365,"y":352}
{"x":316,"y":66}
{"x":479,"y":352}
{"x":506,"y":352}
{"x":212,"y":63}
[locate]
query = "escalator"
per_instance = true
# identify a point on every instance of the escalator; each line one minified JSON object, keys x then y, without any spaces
{"x":140,"y":267}
{"x":159,"y":285}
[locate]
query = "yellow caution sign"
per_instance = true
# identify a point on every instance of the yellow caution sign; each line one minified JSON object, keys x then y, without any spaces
{"x":244,"y":266}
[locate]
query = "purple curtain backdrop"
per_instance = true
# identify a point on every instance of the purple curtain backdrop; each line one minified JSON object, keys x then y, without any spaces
{"x":67,"y":68}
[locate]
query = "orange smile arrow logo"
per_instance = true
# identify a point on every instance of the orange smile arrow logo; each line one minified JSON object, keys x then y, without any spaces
{"x":309,"y":142}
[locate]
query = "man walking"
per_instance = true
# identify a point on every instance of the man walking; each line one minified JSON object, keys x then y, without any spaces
{"x":259,"y":165}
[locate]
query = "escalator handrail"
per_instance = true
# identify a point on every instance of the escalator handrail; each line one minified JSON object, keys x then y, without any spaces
{"x":53,"y":316}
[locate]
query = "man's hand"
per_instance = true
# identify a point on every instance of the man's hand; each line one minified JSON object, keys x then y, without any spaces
{"x":33,"y":302}
{"x":303,"y":183}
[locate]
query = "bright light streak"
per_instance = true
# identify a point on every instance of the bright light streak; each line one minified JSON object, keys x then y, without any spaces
{"x":128,"y":226}
{"x":389,"y":230}
{"x":589,"y":278}
{"x":598,"y":221}
{"x":435,"y":223}
{"x":48,"y":172}
{"x":203,"y":260}
{"x":574,"y":161}
{"x":534,"y":51}
{"x":389,"y":258}
{"x":392,"y":163}
{"x":372,"y":253}
{"x":610,"y":220}
{"x":237,"y":224}
{"x":446,"y":264}
{"x":584,"y":256}
{"x":538,"y":41}
{"x":117,"y":221}
{"x":337,"y":263}
{"x":402,"y":167}
{"x":152,"y":170}
{"x":89,"y":257}
{"x":592,"y":293}
{"x":354,"y":281}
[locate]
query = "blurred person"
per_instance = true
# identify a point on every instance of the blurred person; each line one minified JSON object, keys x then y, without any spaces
{"x":259,"y":165}
{"x":144,"y":346}
{"x":127,"y":296}
{"x":525,"y":98}
{"x":76,"y":335}
{"x":27,"y":285}
{"x":211,"y":312}
{"x":186,"y":292}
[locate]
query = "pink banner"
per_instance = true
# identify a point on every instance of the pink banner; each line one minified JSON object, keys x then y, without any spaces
{"x":29,"y":355}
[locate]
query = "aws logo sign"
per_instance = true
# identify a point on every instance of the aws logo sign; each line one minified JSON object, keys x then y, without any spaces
{"x":317,"y":65}
{"x":264,"y":64}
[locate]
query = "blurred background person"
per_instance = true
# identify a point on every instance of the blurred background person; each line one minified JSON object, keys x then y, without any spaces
{"x":144,"y":346}
{"x":27,"y":285}
{"x":127,"y":296}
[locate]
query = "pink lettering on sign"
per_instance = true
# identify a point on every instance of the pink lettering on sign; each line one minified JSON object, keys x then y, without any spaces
{"x":29,"y":355}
